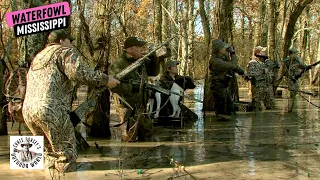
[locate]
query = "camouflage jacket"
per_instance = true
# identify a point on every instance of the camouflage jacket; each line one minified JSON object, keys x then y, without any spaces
{"x":259,"y":71}
{"x":292,"y":67}
{"x":221,"y":69}
{"x":52,"y":76}
{"x":152,"y":68}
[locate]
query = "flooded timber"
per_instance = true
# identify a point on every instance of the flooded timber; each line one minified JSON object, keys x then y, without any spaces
{"x":271,"y":144}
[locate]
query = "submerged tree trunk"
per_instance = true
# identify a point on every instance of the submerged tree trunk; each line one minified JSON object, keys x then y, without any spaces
{"x":100,"y":117}
{"x":208,"y":96}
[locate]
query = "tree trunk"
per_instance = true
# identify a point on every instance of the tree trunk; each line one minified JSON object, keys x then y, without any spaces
{"x":184,"y":42}
{"x":291,"y":25}
{"x":305,"y":45}
{"x":208,"y":100}
{"x":205,"y":26}
{"x":3,"y":117}
{"x":258,"y":35}
{"x":174,"y":29}
{"x":158,"y":21}
{"x":272,"y":38}
{"x":100,"y":117}
{"x":225,"y":20}
{"x":165,"y":21}
{"x":272,"y":41}
{"x":225,"y":28}
{"x":315,"y":77}
{"x":191,"y":39}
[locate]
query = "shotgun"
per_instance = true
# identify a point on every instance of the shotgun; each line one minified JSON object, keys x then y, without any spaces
{"x":90,"y":103}
{"x":305,"y":70}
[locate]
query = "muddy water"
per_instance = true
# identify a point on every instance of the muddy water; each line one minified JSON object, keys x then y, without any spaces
{"x":271,"y":144}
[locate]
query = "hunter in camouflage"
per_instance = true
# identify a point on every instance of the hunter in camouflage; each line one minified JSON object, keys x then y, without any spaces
{"x":50,"y":81}
{"x":221,"y":65}
{"x":292,"y":67}
{"x":136,"y":123}
{"x":261,"y":74}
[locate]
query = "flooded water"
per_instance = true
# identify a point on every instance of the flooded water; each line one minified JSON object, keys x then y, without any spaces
{"x":271,"y":144}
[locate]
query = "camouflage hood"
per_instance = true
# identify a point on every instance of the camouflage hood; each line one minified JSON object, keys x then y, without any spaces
{"x":217,"y":45}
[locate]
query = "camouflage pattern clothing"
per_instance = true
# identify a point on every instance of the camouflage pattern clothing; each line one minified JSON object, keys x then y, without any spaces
{"x":261,"y":83}
{"x":48,"y":101}
{"x":292,"y":66}
{"x":135,"y":125}
{"x":221,"y":68}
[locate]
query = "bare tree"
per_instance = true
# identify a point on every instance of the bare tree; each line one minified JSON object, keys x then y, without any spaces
{"x":291,"y":25}
{"x":100,"y":117}
{"x":184,"y":39}
{"x":225,"y":29}
{"x":174,"y":28}
{"x":191,"y":27}
{"x":208,"y":100}
{"x":272,"y":38}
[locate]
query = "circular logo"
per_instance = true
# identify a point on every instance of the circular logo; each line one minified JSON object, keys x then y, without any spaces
{"x":26,"y":152}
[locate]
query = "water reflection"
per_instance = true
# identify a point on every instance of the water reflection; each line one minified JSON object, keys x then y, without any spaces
{"x":251,"y":163}
{"x":253,"y":138}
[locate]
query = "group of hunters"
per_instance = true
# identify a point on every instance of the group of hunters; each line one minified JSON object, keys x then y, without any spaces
{"x":57,"y":68}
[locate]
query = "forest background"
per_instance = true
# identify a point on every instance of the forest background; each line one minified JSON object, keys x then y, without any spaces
{"x":101,"y":26}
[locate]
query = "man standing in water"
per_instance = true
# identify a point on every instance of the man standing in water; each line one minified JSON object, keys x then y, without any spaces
{"x":48,"y":99}
{"x":136,"y":125}
{"x":221,"y":65}
{"x":261,"y":82}
{"x":292,"y":67}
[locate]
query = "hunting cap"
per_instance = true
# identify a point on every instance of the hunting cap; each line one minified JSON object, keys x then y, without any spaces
{"x":26,"y":144}
{"x":133,"y":41}
{"x":170,"y":63}
{"x":259,"y":49}
{"x":57,"y":35}
{"x":293,"y":51}
{"x":217,"y":45}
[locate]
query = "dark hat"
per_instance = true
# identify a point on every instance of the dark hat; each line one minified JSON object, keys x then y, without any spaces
{"x":217,"y":45}
{"x":170,"y":63}
{"x":55,"y":36}
{"x":133,"y":41}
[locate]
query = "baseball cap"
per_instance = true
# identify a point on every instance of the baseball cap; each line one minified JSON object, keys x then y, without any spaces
{"x":259,"y":49}
{"x":56,"y":35}
{"x":133,"y":41}
{"x":170,"y":63}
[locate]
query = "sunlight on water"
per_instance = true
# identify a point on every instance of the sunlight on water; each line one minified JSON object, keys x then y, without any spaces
{"x":271,"y":144}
